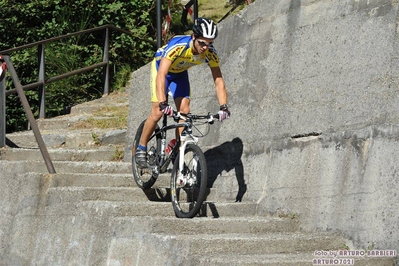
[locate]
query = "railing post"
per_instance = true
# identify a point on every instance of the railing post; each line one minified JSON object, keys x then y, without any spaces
{"x":2,"y":113}
{"x":106,"y":59}
{"x":195,"y":9}
{"x":29,"y":114}
{"x":42,"y":93}
{"x":159,"y":23}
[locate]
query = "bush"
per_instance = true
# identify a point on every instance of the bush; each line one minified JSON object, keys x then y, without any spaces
{"x":24,"y":22}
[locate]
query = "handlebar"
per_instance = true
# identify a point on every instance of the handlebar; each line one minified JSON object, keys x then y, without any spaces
{"x":210,"y":117}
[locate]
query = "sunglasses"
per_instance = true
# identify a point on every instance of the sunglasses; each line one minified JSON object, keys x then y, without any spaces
{"x":202,"y":43}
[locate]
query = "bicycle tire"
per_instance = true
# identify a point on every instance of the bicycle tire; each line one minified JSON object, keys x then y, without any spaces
{"x":187,"y":200}
{"x":145,"y":177}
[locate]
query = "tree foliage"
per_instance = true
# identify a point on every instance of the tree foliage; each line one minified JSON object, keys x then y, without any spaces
{"x":27,"y":21}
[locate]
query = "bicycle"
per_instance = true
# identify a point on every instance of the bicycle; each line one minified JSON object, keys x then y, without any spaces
{"x":188,"y":183}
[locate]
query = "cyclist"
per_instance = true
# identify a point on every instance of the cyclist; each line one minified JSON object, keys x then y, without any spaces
{"x":169,"y":74}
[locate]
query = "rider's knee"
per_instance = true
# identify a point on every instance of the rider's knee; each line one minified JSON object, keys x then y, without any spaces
{"x":155,"y":115}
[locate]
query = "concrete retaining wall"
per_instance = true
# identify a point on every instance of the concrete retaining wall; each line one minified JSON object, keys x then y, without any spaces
{"x":313,"y":90}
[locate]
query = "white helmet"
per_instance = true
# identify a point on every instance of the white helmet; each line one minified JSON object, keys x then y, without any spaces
{"x":206,"y":28}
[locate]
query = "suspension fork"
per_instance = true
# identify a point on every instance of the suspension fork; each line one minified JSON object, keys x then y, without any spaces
{"x":185,"y":139}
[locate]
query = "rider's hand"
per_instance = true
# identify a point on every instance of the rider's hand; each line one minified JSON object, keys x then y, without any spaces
{"x":224,"y":112}
{"x":166,"y":108}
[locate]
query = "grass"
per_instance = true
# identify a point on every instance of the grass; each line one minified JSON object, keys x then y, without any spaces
{"x":118,"y":154}
{"x":108,"y":116}
{"x":215,"y":10}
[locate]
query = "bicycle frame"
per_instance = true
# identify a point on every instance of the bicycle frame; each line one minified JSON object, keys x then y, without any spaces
{"x":185,"y":138}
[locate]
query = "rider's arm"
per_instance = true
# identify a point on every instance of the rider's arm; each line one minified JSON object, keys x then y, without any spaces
{"x":161,"y":78}
{"x":221,"y":92}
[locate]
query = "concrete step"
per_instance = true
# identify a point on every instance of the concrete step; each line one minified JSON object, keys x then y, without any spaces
{"x":107,"y":153}
{"x":93,"y":167}
{"x":98,"y":179}
{"x":165,"y":209}
{"x":281,"y":259}
{"x":78,"y":194}
{"x":69,"y":122}
{"x":206,"y":246}
{"x":107,"y":180}
{"x":286,"y":259}
{"x":61,"y":122}
{"x":115,"y":99}
{"x":153,"y":250}
{"x":69,"y":138}
{"x":93,"y":106}
{"x":94,"y":180}
{"x":100,"y":167}
{"x":127,"y":192}
{"x":204,"y":225}
{"x":257,"y":243}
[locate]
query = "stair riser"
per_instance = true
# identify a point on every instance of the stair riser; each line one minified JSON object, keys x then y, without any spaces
{"x":74,"y":167}
{"x":87,"y":109}
{"x":60,"y":155}
{"x":93,"y":180}
{"x":163,"y":209}
{"x":76,"y":195}
{"x":70,"y":139}
{"x":224,"y":225}
{"x":205,"y":260}
{"x":68,"y":122}
{"x":93,"y":167}
{"x":260,"y":245}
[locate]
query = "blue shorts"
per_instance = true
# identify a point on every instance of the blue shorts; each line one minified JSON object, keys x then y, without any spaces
{"x":176,"y":83}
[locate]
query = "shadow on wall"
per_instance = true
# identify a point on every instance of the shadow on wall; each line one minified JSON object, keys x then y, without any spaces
{"x":227,"y":157}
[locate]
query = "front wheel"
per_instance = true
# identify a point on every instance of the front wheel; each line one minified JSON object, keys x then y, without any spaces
{"x":188,"y":188}
{"x":146,"y":177}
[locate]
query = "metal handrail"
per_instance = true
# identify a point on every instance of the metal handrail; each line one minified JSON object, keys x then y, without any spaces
{"x":31,"y":118}
{"x":41,"y":82}
{"x":108,"y":26}
{"x":79,"y":71}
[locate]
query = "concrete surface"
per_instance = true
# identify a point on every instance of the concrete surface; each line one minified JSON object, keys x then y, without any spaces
{"x":310,"y":151}
{"x":313,"y":91}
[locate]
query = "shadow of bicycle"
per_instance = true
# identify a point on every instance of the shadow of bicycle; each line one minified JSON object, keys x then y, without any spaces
{"x":227,"y":157}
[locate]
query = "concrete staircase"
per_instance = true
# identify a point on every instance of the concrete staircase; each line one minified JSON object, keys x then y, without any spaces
{"x":135,"y":227}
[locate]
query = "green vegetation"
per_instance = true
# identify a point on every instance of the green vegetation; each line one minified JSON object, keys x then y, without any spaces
{"x":345,"y":247}
{"x":215,"y":10}
{"x":27,"y":21}
{"x":118,"y":154}
{"x":24,"y":22}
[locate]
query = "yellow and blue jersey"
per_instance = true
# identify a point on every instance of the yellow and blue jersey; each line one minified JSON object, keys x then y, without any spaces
{"x":179,"y":51}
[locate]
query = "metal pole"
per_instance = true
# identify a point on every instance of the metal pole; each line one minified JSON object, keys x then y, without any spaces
{"x":2,"y":113}
{"x":42,"y":93}
{"x":195,"y":9}
{"x":106,"y":60}
{"x":159,"y":23}
{"x":30,"y":116}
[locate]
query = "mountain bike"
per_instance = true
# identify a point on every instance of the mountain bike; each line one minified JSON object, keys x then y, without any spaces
{"x":188,"y":183}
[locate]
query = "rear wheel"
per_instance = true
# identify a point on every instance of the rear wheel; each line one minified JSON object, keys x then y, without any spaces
{"x":188,"y":188}
{"x":146,"y":177}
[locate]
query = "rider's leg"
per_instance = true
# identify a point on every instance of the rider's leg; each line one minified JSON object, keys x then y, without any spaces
{"x":150,"y":123}
{"x":183,"y":106}
{"x":149,"y":127}
{"x":180,"y":87}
